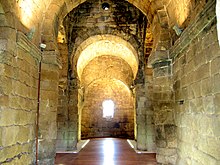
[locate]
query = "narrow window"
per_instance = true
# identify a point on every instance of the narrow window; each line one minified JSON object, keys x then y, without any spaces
{"x":108,"y":109}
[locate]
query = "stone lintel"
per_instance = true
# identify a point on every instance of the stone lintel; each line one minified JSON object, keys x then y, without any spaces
{"x":25,"y":44}
{"x":162,"y":68}
{"x":162,"y":63}
{"x":158,"y":55}
{"x":204,"y":19}
{"x":52,"y":57}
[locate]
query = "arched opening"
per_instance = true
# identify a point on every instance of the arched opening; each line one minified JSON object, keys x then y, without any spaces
{"x":95,"y":122}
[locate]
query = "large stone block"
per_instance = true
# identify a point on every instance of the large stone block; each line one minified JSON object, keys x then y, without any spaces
{"x":202,"y":72}
{"x":9,"y":135}
{"x":166,"y":156}
{"x":7,"y":117}
{"x":46,"y":149}
{"x":202,"y":157}
{"x":213,"y":50}
{"x":207,"y":86}
{"x":216,"y":87}
{"x":215,"y":65}
{"x":217,"y":103}
{"x":208,"y":105}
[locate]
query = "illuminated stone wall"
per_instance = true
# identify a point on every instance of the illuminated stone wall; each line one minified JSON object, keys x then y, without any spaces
{"x":19,"y":65}
{"x":182,"y":97}
{"x":144,"y":114}
{"x":121,"y":125}
{"x":196,"y":85}
{"x":48,"y":107}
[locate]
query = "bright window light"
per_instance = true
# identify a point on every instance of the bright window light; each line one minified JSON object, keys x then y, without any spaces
{"x":109,"y":152}
{"x":108,"y":108}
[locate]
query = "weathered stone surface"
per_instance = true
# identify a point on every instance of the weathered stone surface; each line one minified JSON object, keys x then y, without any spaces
{"x":197,"y":116}
{"x":18,"y":100}
{"x":194,"y":103}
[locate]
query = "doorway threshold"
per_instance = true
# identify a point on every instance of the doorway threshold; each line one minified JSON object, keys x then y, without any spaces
{"x":133,"y":145}
{"x":80,"y":145}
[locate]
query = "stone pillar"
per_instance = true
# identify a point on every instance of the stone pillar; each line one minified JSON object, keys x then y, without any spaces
{"x":72,"y":115}
{"x":67,"y":109}
{"x":80,"y":105}
{"x":48,"y":107}
{"x":144,"y":114}
{"x":62,"y":119}
{"x":67,"y":119}
{"x":141,"y":110}
{"x":141,"y":117}
{"x":163,"y":103}
{"x":19,"y":60}
{"x":150,"y":128}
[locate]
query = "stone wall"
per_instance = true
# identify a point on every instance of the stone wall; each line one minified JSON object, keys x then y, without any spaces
{"x":48,"y":107}
{"x":144,"y":113}
{"x":196,"y":84}
{"x":164,"y":113}
{"x":19,"y":64}
{"x":141,"y":117}
{"x":150,"y":125}
{"x":67,"y":118}
{"x":93,"y":123}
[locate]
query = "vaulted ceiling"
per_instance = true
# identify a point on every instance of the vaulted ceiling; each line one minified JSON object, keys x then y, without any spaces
{"x":120,"y":39}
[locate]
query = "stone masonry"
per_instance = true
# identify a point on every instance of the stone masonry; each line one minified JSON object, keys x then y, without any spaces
{"x":196,"y":85}
{"x":171,"y":106}
{"x":19,"y":63}
{"x":48,"y":107}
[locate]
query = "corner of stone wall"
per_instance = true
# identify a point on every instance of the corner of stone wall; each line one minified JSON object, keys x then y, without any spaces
{"x":163,"y":107}
{"x":144,"y":111}
{"x":67,"y":119}
{"x":48,"y":106}
{"x":162,"y":92}
{"x":196,"y":87}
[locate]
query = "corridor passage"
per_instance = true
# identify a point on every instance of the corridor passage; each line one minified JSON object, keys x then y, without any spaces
{"x":106,"y":151}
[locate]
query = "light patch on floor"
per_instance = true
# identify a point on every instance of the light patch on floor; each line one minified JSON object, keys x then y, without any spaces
{"x":133,"y":145}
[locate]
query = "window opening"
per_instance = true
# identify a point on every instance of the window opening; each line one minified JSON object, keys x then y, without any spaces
{"x":108,"y":108}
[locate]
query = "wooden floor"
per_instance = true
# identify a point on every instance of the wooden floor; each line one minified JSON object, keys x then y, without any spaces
{"x":106,"y":151}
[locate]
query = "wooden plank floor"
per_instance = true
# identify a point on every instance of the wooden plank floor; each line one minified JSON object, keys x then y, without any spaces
{"x":106,"y":151}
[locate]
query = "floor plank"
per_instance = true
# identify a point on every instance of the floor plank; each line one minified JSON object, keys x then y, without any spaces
{"x":106,"y":151}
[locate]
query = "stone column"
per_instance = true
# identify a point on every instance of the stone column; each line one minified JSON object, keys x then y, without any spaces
{"x":67,"y":119}
{"x":67,"y":107}
{"x":72,"y":122}
{"x":141,"y":110}
{"x":163,"y":102}
{"x":141,"y":117}
{"x":144,"y":114}
{"x":150,"y":128}
{"x":48,"y":107}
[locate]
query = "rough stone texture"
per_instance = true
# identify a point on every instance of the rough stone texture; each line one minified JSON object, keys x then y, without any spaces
{"x":107,"y":67}
{"x":19,"y":62}
{"x":165,"y":127}
{"x":121,"y":20}
{"x":196,"y":93}
{"x":141,"y":118}
{"x":195,"y":78}
{"x":93,"y":123}
{"x":48,"y":107}
{"x":89,"y":19}
{"x":150,"y":125}
{"x":67,"y":121}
